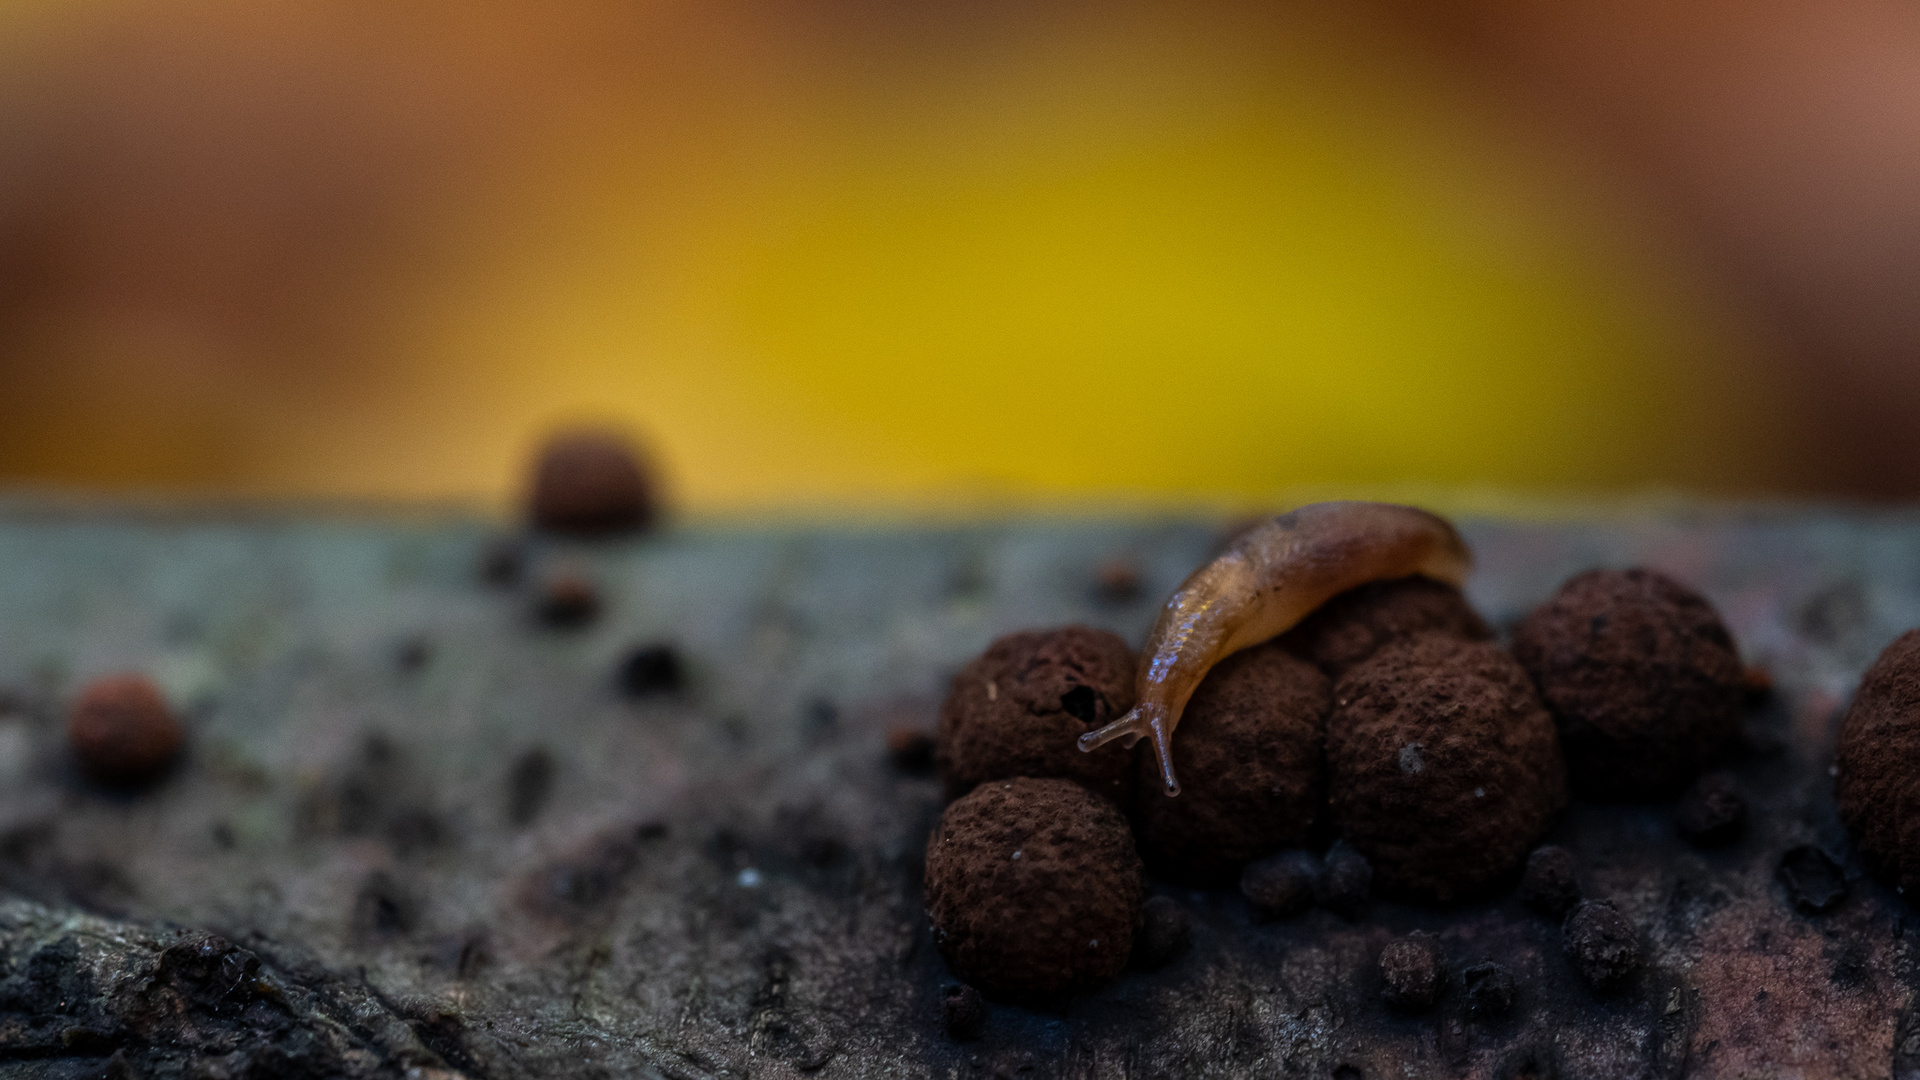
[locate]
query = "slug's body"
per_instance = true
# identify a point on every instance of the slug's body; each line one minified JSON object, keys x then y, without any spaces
{"x":1269,"y":578}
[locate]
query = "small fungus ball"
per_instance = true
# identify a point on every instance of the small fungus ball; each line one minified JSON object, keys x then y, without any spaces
{"x":1551,"y":883}
{"x":1443,"y":766}
{"x":1712,"y":813}
{"x":122,"y":732}
{"x":1602,"y":944}
{"x":1353,"y":625}
{"x":1020,"y":708}
{"x":1166,"y":931}
{"x":1490,"y":990}
{"x":1249,"y":748}
{"x":1283,"y":885}
{"x":964,"y":1011}
{"x":1412,"y":969}
{"x":590,"y":483}
{"x":1641,"y":676}
{"x":1345,"y":883}
{"x":1877,"y":777}
{"x":1034,"y":888}
{"x":911,"y":750}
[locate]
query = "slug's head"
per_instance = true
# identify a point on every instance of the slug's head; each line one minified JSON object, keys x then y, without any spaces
{"x":1144,"y":722}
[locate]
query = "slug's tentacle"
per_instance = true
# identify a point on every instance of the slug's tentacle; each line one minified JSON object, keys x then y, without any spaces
{"x":1142,"y":722}
{"x":1267,"y":580}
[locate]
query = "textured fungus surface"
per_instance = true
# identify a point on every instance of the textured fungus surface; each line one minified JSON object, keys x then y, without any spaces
{"x":1251,"y":747}
{"x":1352,"y":626}
{"x":725,"y":881}
{"x":1641,"y":676}
{"x":1033,"y":888}
{"x":1017,"y":709}
{"x":1443,"y":767}
{"x":1878,"y":766}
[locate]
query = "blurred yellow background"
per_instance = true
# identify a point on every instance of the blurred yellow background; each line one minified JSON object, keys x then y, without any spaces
{"x":845,"y":255}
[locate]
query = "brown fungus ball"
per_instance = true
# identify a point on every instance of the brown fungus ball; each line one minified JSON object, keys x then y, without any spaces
{"x":1034,"y":888}
{"x":122,"y":732}
{"x":1250,"y":747}
{"x":1550,"y":884}
{"x":1443,"y":767}
{"x":1642,"y":677}
{"x":590,"y":483}
{"x":1350,"y":627}
{"x":1020,"y":708}
{"x":1602,"y":944}
{"x":1877,"y":777}
{"x":1413,"y":971}
{"x":1281,"y":886}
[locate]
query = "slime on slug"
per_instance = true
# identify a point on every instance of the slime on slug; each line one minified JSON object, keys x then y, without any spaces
{"x":1269,"y":578}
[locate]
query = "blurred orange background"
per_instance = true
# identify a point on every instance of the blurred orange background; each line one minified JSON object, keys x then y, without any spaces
{"x":916,"y":255}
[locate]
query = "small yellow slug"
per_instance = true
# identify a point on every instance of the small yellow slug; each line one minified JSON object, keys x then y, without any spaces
{"x":1269,"y":578}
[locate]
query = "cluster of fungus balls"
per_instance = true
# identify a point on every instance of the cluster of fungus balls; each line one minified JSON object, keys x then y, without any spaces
{"x":1389,"y":724}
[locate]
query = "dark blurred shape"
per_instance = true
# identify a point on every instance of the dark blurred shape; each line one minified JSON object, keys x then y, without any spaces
{"x":503,"y":560}
{"x":122,"y":732}
{"x":412,"y":654}
{"x":1283,"y":885}
{"x":1345,"y":882}
{"x":567,"y":601}
{"x":1117,"y":581}
{"x":911,"y":750}
{"x":1550,"y":884}
{"x":652,"y":669}
{"x":1814,"y":882}
{"x":1166,"y":931}
{"x":1490,"y":990}
{"x":590,"y":483}
{"x":529,"y":785}
{"x":1712,"y":813}
{"x":965,"y":1012}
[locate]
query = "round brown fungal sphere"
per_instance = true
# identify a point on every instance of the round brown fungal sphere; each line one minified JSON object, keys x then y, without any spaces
{"x":1249,"y":747}
{"x":1412,"y":969}
{"x":590,"y":483}
{"x":1877,"y":771}
{"x":1602,"y":944}
{"x":1020,"y":708}
{"x":1034,"y":888}
{"x":1345,"y":883}
{"x":1353,"y":625}
{"x":1642,"y":678}
{"x":122,"y":732}
{"x":1166,"y":931}
{"x":1283,"y":885}
{"x":1551,"y":882}
{"x":1443,"y":767}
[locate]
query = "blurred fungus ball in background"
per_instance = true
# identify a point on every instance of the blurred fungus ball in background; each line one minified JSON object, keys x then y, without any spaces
{"x":858,"y":254}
